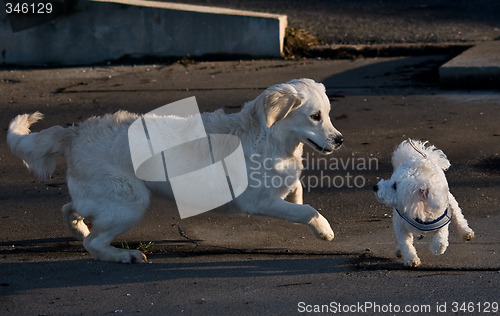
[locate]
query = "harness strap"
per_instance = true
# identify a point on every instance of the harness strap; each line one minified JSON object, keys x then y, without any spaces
{"x":430,"y":225}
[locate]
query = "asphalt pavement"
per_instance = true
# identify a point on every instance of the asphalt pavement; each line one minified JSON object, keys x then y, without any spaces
{"x":223,"y":263}
{"x":219,"y":263}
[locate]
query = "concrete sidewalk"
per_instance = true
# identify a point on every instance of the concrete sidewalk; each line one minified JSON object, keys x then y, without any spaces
{"x":238,"y":264}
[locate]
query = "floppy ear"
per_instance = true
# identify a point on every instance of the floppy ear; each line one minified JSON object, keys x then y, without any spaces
{"x":279,"y":101}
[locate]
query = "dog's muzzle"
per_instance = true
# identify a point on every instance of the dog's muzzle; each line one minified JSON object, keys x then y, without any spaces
{"x":338,"y":141}
{"x":334,"y":142}
{"x":330,"y":145}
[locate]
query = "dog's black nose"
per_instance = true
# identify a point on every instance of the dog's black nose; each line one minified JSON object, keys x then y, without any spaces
{"x":375,"y":188}
{"x":339,"y":140}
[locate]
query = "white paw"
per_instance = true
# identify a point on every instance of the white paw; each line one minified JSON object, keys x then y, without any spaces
{"x":412,"y":263}
{"x":133,"y":256}
{"x":321,"y":228}
{"x":113,"y":254}
{"x":468,"y":235}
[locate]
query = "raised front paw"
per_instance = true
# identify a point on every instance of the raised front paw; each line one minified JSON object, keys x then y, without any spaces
{"x":468,"y":235}
{"x":321,"y":228}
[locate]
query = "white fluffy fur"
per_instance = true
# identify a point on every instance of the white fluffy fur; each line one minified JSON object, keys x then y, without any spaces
{"x":419,"y":189}
{"x":105,"y":190}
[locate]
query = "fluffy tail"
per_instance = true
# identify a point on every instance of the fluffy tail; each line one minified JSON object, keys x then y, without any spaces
{"x":39,"y":151}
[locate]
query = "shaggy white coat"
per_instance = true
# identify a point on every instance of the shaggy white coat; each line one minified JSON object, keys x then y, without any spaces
{"x":418,"y":188}
{"x":104,"y":189}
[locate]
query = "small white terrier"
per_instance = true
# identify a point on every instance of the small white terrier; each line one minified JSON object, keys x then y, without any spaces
{"x":419,"y":194}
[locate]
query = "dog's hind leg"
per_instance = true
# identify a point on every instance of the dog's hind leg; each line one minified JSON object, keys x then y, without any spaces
{"x":108,"y":225}
{"x":74,"y":222}
{"x":459,"y":220}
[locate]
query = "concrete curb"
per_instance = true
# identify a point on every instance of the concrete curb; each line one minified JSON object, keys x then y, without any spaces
{"x":97,"y":31}
{"x":476,"y":68}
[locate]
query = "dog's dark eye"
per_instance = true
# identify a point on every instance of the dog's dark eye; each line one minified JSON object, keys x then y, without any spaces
{"x":394,"y":186}
{"x":316,"y":116}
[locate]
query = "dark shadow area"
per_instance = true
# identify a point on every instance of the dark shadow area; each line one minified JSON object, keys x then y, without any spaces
{"x":490,"y":165}
{"x":404,"y":74}
{"x":366,"y":263}
{"x":18,"y":277}
{"x":15,"y":277}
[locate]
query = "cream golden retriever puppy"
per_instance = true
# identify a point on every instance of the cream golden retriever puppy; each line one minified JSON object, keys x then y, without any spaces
{"x":105,"y":190}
